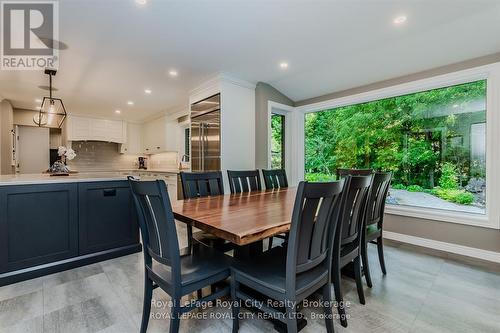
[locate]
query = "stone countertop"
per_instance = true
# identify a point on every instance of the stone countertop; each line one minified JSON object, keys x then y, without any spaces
{"x":39,"y":178}
{"x":176,"y":171}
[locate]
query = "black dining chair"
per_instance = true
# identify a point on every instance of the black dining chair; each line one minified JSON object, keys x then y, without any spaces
{"x":375,"y":220}
{"x":164,"y":266}
{"x":244,"y":181}
{"x":347,"y":241}
{"x":203,"y":184}
{"x":275,"y":179}
{"x":305,"y":269}
{"x":342,"y":173}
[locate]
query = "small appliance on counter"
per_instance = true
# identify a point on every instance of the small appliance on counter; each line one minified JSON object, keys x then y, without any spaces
{"x":143,"y":163}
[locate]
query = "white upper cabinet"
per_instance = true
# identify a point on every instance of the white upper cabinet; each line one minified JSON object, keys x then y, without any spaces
{"x":85,"y":128}
{"x":159,"y":135}
{"x":133,"y":145}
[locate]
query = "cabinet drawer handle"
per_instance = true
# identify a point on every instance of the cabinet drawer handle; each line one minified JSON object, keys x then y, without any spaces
{"x":109,"y":192}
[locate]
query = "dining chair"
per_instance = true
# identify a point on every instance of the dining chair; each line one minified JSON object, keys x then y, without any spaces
{"x":306,"y":267}
{"x":375,"y":220}
{"x":197,"y":185}
{"x":164,"y":265}
{"x":347,"y":240}
{"x":342,"y":173}
{"x":244,"y":181}
{"x":275,"y":179}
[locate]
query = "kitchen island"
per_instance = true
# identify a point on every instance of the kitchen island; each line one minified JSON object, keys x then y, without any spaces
{"x":49,"y":224}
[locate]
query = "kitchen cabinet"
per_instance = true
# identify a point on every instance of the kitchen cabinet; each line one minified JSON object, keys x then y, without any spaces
{"x":172,"y":180}
{"x":85,"y":128}
{"x":133,"y":144}
{"x":38,"y":225}
{"x":47,"y":228}
{"x":160,"y":135}
{"x":107,"y":216}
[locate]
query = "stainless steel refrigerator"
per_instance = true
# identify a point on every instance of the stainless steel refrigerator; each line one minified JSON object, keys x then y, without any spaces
{"x":205,"y":134}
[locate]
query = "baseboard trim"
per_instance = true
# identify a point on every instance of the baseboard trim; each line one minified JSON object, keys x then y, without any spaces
{"x":443,"y":246}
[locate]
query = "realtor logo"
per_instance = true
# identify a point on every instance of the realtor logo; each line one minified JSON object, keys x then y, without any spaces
{"x":29,"y":32}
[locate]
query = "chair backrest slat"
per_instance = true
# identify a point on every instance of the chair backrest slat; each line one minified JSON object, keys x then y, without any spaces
{"x":156,"y":219}
{"x":376,"y":203}
{"x":201,"y":184}
{"x":315,"y":214}
{"x":352,"y":220}
{"x":244,"y":181}
{"x":275,"y":178}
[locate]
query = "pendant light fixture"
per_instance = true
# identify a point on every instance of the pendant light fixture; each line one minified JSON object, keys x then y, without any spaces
{"x":52,"y":112}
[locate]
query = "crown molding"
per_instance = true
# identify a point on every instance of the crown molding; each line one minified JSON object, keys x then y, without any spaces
{"x":213,"y":83}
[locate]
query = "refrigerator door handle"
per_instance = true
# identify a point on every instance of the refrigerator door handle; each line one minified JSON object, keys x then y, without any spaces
{"x":205,"y":141}
{"x":202,"y":146}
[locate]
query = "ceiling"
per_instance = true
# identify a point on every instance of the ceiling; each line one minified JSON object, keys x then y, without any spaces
{"x":118,"y":48}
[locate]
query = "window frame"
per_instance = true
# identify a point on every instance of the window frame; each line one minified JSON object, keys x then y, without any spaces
{"x":491,"y":73}
{"x":290,"y":153}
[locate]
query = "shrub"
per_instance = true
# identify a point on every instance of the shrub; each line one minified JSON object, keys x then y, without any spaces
{"x":319,"y":177}
{"x":415,"y":188}
{"x":398,"y":187}
{"x":464,"y":198}
{"x":449,"y":176}
{"x":454,"y":195}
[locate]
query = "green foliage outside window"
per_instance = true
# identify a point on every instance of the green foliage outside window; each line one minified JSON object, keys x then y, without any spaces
{"x":423,"y":138}
{"x":277,"y":141}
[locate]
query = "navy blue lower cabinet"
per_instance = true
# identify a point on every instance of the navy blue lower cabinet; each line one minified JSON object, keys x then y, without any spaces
{"x":107,"y":216}
{"x":48,"y":228}
{"x":38,"y":225}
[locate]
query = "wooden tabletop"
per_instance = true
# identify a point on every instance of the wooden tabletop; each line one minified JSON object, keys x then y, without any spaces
{"x":239,"y":218}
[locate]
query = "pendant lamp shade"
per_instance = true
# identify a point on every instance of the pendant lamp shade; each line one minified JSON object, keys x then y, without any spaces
{"x":52,"y":112}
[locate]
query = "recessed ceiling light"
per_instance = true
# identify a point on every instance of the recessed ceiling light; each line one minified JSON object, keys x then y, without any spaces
{"x":284,"y":65}
{"x":38,"y":100}
{"x":400,"y":19}
{"x":130,"y":103}
{"x":147,"y":91}
{"x":118,"y":111}
{"x":141,"y":2}
{"x":173,"y":73}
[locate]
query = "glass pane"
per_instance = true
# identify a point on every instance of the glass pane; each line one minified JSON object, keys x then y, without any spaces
{"x":277,"y":141}
{"x":433,"y":141}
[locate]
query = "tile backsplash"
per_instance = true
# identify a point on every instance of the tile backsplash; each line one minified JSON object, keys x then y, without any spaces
{"x":163,"y":161}
{"x":100,"y":156}
{"x":94,"y":156}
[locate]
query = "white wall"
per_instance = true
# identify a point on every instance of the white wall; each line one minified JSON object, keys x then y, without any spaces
{"x":6,"y":125}
{"x":237,"y":127}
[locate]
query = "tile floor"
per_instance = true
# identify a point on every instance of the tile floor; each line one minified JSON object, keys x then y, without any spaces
{"x":424,"y":291}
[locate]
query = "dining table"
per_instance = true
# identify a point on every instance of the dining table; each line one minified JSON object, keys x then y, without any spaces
{"x":242,"y":218}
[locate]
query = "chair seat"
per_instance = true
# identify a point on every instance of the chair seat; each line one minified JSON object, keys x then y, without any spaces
{"x":202,"y":264}
{"x":267,"y":272}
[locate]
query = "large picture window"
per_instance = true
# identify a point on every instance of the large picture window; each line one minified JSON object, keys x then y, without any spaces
{"x":433,"y":141}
